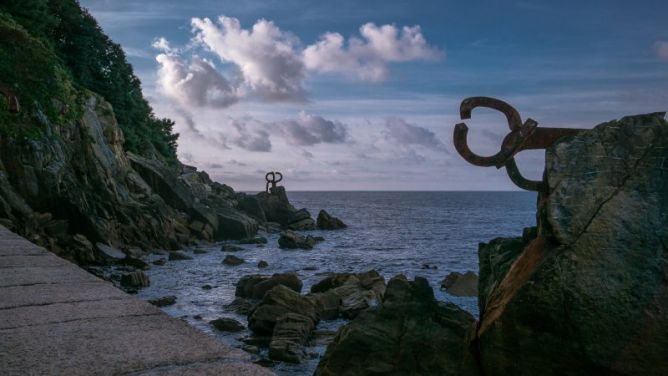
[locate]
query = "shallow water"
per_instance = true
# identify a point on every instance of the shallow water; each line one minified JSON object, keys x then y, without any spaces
{"x":391,"y":232}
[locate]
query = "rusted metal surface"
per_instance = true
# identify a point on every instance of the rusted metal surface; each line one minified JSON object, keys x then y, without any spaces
{"x":522,"y":136}
{"x":12,"y":99}
{"x":271,"y":179}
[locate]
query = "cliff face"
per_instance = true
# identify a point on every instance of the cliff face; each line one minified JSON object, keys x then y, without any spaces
{"x":587,"y":294}
{"x":77,"y":187}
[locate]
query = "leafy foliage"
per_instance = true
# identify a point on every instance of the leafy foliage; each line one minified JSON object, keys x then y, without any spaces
{"x":79,"y":48}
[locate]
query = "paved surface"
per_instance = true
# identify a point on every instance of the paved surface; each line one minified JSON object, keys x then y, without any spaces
{"x":57,"y":319}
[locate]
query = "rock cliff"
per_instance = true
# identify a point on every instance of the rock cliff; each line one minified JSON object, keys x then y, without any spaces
{"x":77,"y":191}
{"x":583,"y":293}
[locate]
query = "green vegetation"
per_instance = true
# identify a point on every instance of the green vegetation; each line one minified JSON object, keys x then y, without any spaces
{"x":51,"y":49}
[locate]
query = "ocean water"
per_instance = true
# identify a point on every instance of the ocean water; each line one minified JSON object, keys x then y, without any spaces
{"x":391,"y":232}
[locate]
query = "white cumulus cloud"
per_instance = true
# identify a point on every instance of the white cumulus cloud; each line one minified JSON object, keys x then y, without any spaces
{"x":267,"y":57}
{"x":369,"y":58}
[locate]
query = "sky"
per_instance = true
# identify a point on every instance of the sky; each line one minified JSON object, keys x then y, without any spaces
{"x":364,"y":95}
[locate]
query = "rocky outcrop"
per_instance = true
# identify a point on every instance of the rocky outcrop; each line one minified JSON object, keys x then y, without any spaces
{"x":163,"y":301}
{"x":459,"y":284}
{"x":326,"y":222}
{"x":277,"y":302}
{"x":76,"y":187}
{"x":409,"y":334}
{"x":277,"y":208}
{"x":292,"y":240}
{"x":226,"y":324}
{"x":232,"y":260}
{"x":587,"y":292}
{"x":134,"y":280}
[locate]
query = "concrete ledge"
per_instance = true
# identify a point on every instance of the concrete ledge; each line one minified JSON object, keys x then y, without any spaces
{"x":56,"y":318}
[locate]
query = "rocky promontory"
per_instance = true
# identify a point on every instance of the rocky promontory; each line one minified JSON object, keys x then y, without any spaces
{"x":583,"y":293}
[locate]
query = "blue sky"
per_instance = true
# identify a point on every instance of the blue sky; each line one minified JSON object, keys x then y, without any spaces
{"x":377,"y":111}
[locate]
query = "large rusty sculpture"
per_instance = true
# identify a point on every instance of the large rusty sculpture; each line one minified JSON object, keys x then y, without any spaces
{"x":12,"y":99}
{"x":272,"y":180}
{"x":523,"y":136}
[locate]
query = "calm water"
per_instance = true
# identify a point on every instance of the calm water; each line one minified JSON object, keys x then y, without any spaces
{"x":392,"y":232}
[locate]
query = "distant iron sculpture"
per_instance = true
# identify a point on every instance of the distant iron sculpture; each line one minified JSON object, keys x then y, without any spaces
{"x":12,"y":99}
{"x":522,"y":136}
{"x":272,"y":180}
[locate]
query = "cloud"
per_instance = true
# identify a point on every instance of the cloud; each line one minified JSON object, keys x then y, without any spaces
{"x":267,"y":57}
{"x":270,"y":64}
{"x":309,"y":130}
{"x":306,"y":154}
{"x":368,"y":58}
{"x":403,"y":133}
{"x":256,"y":140}
{"x":197,"y":84}
{"x":661,"y":49}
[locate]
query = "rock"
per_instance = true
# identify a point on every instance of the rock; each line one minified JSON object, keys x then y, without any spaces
{"x":199,"y":251}
{"x":110,"y":252}
{"x":163,"y":301}
{"x":251,"y":349}
{"x":291,"y":332}
{"x":251,"y":206}
{"x":327,"y":222}
{"x":292,"y":240}
{"x":301,"y":220}
{"x":235,"y":225}
{"x":587,"y":294}
{"x":135,"y":280}
{"x":275,"y":303}
{"x":134,"y":262}
{"x":225,"y":324}
{"x":277,"y":208}
{"x":459,"y":284}
{"x":255,"y":286}
{"x":262,"y":264}
{"x":161,"y":261}
{"x":254,"y":240}
{"x":240,"y":305}
{"x":429,"y":266}
{"x":178,"y":255}
{"x":231,"y":248}
{"x":409,"y":334}
{"x":346,"y":294}
{"x":233,"y":260}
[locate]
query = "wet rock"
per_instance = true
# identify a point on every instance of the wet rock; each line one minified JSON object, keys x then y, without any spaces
{"x":292,"y":240}
{"x":328,"y":222}
{"x":226,"y":324}
{"x":233,"y":260}
{"x":178,"y":256}
{"x":134,"y":262}
{"x":240,"y":305}
{"x":291,"y":332}
{"x":409,"y":334}
{"x":254,"y":240}
{"x":429,"y":266}
{"x":199,"y":251}
{"x":255,"y":286}
{"x":135,"y":280}
{"x":161,"y":261}
{"x":347,"y":294}
{"x":110,"y":252}
{"x":251,"y":206}
{"x":207,"y":287}
{"x":587,"y":295}
{"x":231,"y":248}
{"x":276,"y":302}
{"x":235,"y":225}
{"x":301,"y":220}
{"x":251,"y":349}
{"x":277,"y":208}
{"x":262,"y":264}
{"x":459,"y":284}
{"x":163,"y":301}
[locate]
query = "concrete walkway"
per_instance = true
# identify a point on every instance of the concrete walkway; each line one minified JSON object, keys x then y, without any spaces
{"x":57,"y":319}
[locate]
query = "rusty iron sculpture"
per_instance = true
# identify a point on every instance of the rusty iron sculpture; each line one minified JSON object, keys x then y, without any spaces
{"x":12,"y":99}
{"x":522,"y":136}
{"x":272,"y":180}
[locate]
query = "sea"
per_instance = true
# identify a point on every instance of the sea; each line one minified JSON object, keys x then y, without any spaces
{"x":427,"y":234}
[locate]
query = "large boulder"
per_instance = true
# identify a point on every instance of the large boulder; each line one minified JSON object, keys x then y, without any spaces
{"x":276,"y":302}
{"x":347,"y":294}
{"x":459,"y":284}
{"x":589,"y":294}
{"x":254,"y":286}
{"x":327,"y":222}
{"x":409,"y":334}
{"x":292,"y":240}
{"x":277,"y":208}
{"x":235,"y":225}
{"x":290,"y":334}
